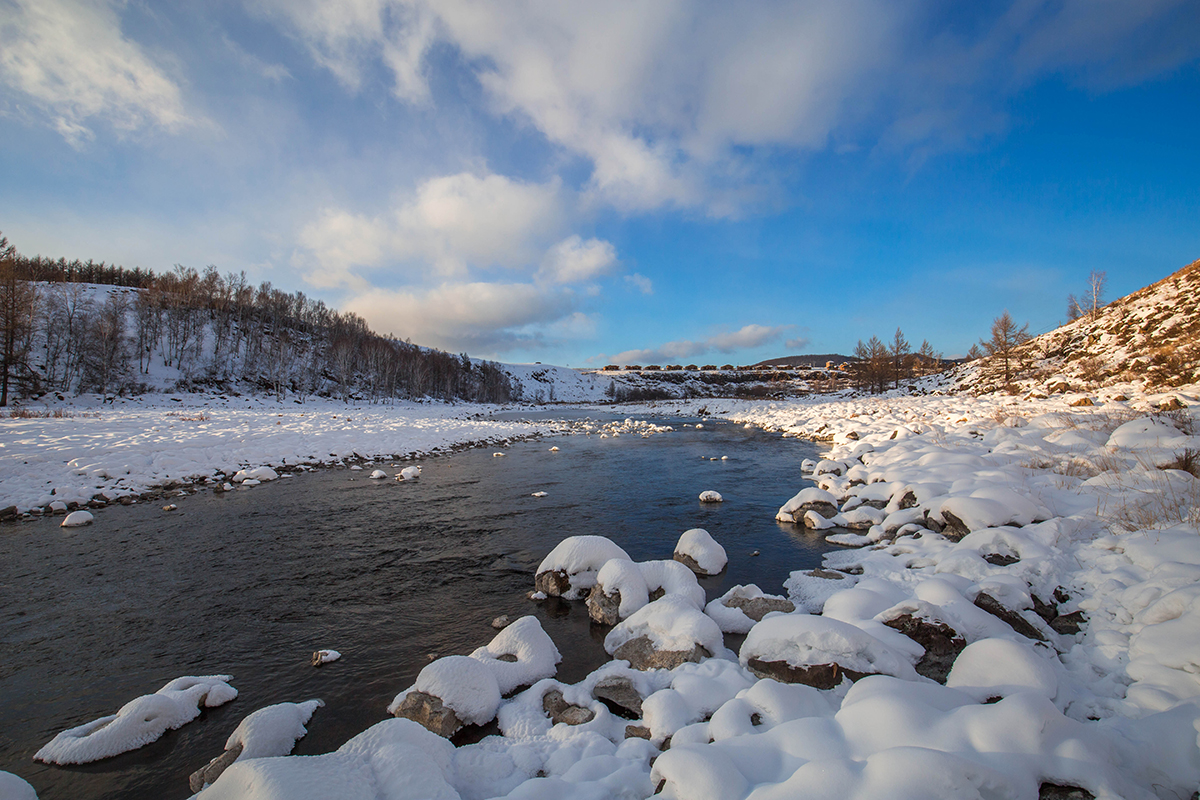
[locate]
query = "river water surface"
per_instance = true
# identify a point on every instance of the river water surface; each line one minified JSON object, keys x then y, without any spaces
{"x":249,"y":583}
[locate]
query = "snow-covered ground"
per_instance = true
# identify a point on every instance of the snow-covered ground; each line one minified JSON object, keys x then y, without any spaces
{"x":123,"y":448}
{"x":1018,"y":612}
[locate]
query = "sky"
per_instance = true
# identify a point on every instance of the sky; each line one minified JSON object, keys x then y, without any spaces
{"x":591,"y":182}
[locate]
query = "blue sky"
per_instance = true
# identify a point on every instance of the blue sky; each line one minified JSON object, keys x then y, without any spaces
{"x":583,"y":182}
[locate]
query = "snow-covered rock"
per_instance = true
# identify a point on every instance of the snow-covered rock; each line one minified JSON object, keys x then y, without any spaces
{"x":77,"y":519}
{"x":700,"y":552}
{"x":709,"y":496}
{"x":270,"y":731}
{"x":818,"y":651}
{"x":739,"y":609}
{"x":569,"y":570}
{"x":139,"y":722}
{"x":665,"y":634}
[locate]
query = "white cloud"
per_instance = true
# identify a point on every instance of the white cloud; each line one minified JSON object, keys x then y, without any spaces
{"x":483,"y":319}
{"x":643,"y":284}
{"x":744,"y":338}
{"x":450,"y":224}
{"x":70,"y":58}
{"x":798,"y":343}
{"x":574,"y":260}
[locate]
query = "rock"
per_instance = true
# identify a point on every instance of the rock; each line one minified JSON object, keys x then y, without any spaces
{"x":758,"y":607}
{"x":1000,"y":560}
{"x":819,"y":676}
{"x":1119,"y":398}
{"x":8,"y":513}
{"x":1058,"y":387}
{"x":710,"y":496}
{"x":1068,"y":624}
{"x":618,"y":693}
{"x":689,"y":562}
{"x":908,"y":500}
{"x":500,"y":622}
{"x":1083,"y":401}
{"x":827,"y":574}
{"x":954,"y":529}
{"x":1015,"y":621}
{"x":640,"y":654}
{"x":213,"y":769}
{"x":941,"y":642}
{"x":559,"y":710}
{"x":1057,"y":791}
{"x":637,"y":732}
{"x":554,"y":583}
{"x":429,"y":711}
{"x":602,"y":607}
{"x":324,"y":657}
{"x":1172,"y":404}
{"x":169,"y":507}
{"x":77,"y":518}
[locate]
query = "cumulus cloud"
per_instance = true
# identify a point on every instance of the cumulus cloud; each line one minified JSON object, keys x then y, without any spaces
{"x":574,"y":260}
{"x":725,"y":342}
{"x":641,"y":282}
{"x":483,"y":319}
{"x":451,"y":223}
{"x":70,"y":58}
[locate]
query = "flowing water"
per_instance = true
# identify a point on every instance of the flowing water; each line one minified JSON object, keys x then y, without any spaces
{"x":251,"y":582}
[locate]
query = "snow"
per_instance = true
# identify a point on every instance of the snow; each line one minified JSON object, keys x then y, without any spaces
{"x":410,"y":473}
{"x":703,"y":549}
{"x":466,"y":685}
{"x":537,"y":657}
{"x":1000,"y":667}
{"x":806,"y":640}
{"x":377,"y":474}
{"x":733,"y":619}
{"x":15,"y":788}
{"x":709,"y":496}
{"x":272,"y":731}
{"x":581,"y":558}
{"x":671,"y":623}
{"x":77,"y":519}
{"x":326,"y":656}
{"x":139,"y":722}
{"x":111,"y":450}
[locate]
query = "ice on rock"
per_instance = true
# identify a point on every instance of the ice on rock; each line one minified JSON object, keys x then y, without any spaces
{"x":569,"y":570}
{"x":701,"y":553}
{"x":999,"y":667}
{"x":15,"y":788}
{"x":378,"y":474}
{"x":535,"y":653}
{"x":709,"y":496}
{"x":77,"y":519}
{"x":409,"y":473}
{"x":139,"y":722}
{"x":800,"y":648}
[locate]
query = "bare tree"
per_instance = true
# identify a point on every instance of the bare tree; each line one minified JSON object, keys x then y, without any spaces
{"x":18,"y":303}
{"x":1006,"y":338}
{"x":900,"y":348}
{"x":1074,"y":311}
{"x":1095,"y":295}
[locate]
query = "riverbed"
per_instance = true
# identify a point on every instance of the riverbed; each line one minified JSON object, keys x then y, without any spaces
{"x":250,"y":582}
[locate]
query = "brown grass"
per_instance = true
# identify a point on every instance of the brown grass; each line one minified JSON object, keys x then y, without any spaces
{"x":26,"y":413}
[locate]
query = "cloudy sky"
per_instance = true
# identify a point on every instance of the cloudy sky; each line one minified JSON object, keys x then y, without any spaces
{"x":585,"y":182}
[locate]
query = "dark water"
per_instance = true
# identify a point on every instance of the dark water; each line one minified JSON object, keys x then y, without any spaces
{"x":251,"y":582}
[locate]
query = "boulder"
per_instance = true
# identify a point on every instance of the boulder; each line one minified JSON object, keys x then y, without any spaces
{"x":554,"y":583}
{"x":941,"y":642}
{"x":604,"y":608}
{"x":559,"y":710}
{"x":619,"y":694}
{"x":818,"y":676}
{"x":758,"y":607}
{"x":637,"y":732}
{"x":429,"y":711}
{"x":641,"y":654}
{"x":1015,"y":621}
{"x":213,"y":769}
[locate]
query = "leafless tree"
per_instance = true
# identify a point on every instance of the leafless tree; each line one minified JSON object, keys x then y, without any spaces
{"x":18,"y":305}
{"x":1006,"y":338}
{"x":1095,"y":296}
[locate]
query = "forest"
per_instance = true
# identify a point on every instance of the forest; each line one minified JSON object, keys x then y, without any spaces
{"x":74,"y":327}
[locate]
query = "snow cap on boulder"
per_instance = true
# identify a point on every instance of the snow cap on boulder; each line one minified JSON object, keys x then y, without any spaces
{"x":570,"y":569}
{"x":700,"y":552}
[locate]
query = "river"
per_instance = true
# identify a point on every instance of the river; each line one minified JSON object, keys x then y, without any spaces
{"x":250,"y":582}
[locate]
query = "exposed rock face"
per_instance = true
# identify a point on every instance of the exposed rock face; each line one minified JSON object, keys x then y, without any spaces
{"x":559,"y":710}
{"x":1083,"y":401}
{"x":1014,"y":620}
{"x":1066,"y":624}
{"x":619,"y":694}
{"x":641,"y":654}
{"x":213,"y":769}
{"x":819,"y":676}
{"x":826,"y":510}
{"x":941,"y":642}
{"x":690,"y":563}
{"x":429,"y":711}
{"x":637,"y":732}
{"x":909,"y":500}
{"x":602,"y":607}
{"x":1000,"y":560}
{"x":954,"y":529}
{"x":758,"y":607}
{"x":554,"y":583}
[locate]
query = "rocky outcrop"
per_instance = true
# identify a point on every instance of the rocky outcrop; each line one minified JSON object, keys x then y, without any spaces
{"x":1015,"y":621}
{"x":641,"y":654}
{"x":429,"y":711}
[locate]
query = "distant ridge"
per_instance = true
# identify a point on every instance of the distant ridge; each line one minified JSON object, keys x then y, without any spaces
{"x":805,"y":361}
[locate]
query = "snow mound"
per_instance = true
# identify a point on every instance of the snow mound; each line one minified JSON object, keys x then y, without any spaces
{"x":998,"y":667}
{"x":703,"y":550}
{"x":259,"y":474}
{"x":812,"y":496}
{"x":536,"y":655}
{"x":671,"y":623}
{"x":580,"y":559}
{"x":77,"y":519}
{"x":464,"y":684}
{"x":378,"y":475}
{"x":410,"y":473}
{"x":709,"y":496}
{"x":272,"y":731}
{"x":139,"y":722}
{"x":803,"y":640}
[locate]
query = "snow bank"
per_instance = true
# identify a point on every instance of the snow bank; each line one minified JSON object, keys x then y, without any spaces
{"x":139,"y":722}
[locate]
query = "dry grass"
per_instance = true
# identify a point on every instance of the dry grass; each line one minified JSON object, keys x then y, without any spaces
{"x":191,"y":417}
{"x":26,"y":413}
{"x":1150,"y":498}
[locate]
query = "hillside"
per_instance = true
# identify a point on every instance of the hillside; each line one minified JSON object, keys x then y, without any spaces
{"x":1149,"y":339}
{"x":819,"y":361}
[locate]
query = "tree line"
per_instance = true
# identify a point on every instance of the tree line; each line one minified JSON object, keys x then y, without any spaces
{"x":216,"y":331}
{"x":879,"y":366}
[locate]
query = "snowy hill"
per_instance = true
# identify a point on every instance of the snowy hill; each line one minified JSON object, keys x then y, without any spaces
{"x":1149,"y":339}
